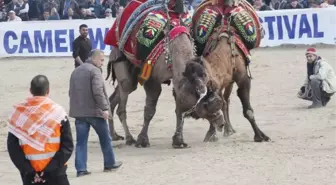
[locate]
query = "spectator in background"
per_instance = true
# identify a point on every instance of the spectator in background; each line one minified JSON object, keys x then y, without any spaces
{"x":46,"y":15}
{"x":120,"y":10}
{"x":82,"y":13}
{"x":260,"y":6}
{"x":108,"y":14}
{"x":111,"y":4}
{"x":95,"y":8}
{"x":312,"y":4}
{"x":49,"y":4}
{"x":34,"y":12}
{"x":70,"y":15}
{"x":88,"y":14}
{"x":294,"y":4}
{"x":81,"y":46}
{"x":66,"y":4}
{"x":13,"y":17}
{"x":21,"y":9}
{"x":53,"y":15}
{"x":82,"y":3}
{"x":328,"y":3}
{"x":275,"y":4}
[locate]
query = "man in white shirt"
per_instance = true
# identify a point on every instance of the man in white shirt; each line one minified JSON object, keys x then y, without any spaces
{"x":320,"y":83}
{"x":13,"y":17}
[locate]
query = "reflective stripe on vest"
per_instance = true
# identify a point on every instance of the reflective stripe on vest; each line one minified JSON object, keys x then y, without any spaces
{"x":40,"y":159}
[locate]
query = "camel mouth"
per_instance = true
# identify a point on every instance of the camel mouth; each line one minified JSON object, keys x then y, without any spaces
{"x":218,"y":120}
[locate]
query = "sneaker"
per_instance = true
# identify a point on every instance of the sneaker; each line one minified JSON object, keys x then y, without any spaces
{"x":83,"y":173}
{"x":115,"y":166}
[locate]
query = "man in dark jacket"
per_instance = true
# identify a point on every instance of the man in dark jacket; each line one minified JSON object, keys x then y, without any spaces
{"x":89,"y":105}
{"x":81,"y":46}
{"x":40,"y":161}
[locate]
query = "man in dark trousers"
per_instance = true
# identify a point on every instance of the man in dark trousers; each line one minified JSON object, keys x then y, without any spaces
{"x":39,"y":140}
{"x":81,"y":46}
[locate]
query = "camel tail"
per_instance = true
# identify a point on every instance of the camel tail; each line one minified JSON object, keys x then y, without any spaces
{"x":109,"y":70}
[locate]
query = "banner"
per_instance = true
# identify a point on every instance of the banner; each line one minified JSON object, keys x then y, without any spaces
{"x":298,"y":26}
{"x":54,"y":38}
{"x":49,"y":38}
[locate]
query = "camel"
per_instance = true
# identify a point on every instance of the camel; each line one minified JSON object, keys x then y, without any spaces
{"x":192,"y":96}
{"x":228,"y":65}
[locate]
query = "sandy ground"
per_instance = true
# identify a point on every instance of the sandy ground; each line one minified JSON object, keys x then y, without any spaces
{"x":302,"y":151}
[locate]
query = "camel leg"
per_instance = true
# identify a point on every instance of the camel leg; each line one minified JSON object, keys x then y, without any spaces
{"x":211,"y":135}
{"x":228,"y":129}
{"x":153,"y":91}
{"x":178,"y":140}
{"x":127,"y":84}
{"x":114,"y":100}
{"x":243,"y":93}
{"x":122,"y":114}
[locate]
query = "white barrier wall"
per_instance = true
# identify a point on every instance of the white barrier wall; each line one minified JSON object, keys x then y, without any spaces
{"x":54,"y":38}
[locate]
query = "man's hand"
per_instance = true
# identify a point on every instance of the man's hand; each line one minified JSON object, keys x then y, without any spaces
{"x":106,"y":114}
{"x":38,"y":178}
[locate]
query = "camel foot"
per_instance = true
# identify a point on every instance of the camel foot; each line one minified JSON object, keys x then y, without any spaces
{"x":130,"y":140}
{"x":211,"y":136}
{"x":116,"y":137}
{"x":142,"y":141}
{"x":178,"y":142}
{"x":261,"y":138}
{"x":228,"y":132}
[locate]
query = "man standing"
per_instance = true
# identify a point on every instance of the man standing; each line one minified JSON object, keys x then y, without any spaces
{"x":89,"y":105}
{"x":81,"y":46}
{"x":39,"y":139}
{"x":320,"y":83}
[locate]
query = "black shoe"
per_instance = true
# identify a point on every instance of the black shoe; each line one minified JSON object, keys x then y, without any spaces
{"x":115,"y":166}
{"x":79,"y":174}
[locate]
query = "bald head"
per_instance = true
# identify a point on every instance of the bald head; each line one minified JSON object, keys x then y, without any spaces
{"x":39,"y":86}
{"x":97,"y":57}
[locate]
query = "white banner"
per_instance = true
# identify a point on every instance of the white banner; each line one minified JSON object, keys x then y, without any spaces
{"x":54,"y":38}
{"x":49,"y":38}
{"x":299,"y":26}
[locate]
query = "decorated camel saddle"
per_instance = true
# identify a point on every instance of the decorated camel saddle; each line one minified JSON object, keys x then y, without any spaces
{"x":234,"y":19}
{"x":140,"y":31}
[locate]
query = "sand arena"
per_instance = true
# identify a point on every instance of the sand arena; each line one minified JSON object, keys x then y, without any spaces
{"x":302,"y":151}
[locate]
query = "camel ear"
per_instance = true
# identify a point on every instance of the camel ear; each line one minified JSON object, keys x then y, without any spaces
{"x":188,"y":70}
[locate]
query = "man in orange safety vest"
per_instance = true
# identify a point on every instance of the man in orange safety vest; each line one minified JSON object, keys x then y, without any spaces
{"x":39,"y":139}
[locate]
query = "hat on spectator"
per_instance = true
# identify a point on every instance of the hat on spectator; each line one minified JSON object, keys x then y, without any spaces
{"x":12,"y":11}
{"x":311,"y":51}
{"x":108,"y":10}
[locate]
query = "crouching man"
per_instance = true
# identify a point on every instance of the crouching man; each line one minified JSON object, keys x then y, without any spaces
{"x":320,"y":83}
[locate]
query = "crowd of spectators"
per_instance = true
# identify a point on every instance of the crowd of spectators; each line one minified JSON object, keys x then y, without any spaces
{"x":24,"y":10}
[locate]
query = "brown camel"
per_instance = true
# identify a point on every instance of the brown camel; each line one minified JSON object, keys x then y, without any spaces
{"x":227,"y":69}
{"x":189,"y":84}
{"x":219,"y":28}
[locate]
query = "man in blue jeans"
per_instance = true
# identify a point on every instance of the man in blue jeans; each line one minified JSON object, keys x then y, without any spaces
{"x":89,"y":105}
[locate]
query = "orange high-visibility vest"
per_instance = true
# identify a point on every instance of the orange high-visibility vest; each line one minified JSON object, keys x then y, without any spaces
{"x":40,"y":159}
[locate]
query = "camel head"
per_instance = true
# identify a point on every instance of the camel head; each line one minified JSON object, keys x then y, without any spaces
{"x":208,"y":103}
